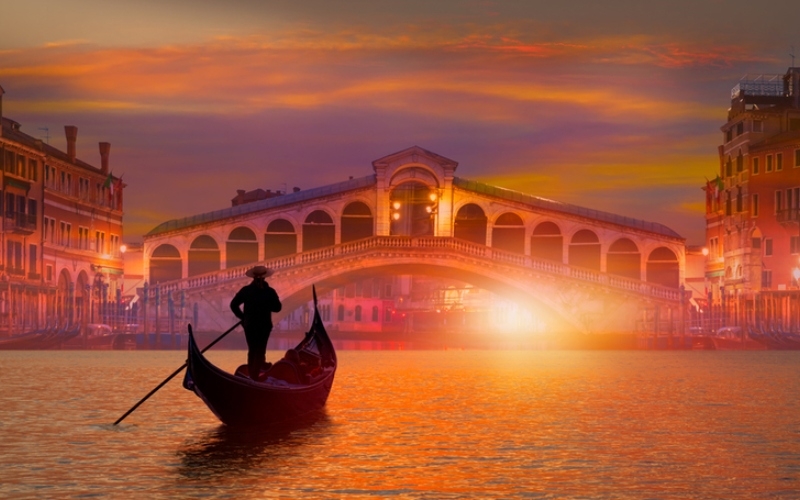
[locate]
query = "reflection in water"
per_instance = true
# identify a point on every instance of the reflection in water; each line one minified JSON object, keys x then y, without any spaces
{"x":225,"y":450}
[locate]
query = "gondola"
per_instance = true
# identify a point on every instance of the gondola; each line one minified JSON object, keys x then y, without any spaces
{"x":296,"y":386}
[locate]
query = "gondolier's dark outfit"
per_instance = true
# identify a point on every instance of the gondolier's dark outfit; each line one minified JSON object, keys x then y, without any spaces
{"x":260,"y":301}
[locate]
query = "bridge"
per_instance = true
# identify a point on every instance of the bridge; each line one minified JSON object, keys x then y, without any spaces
{"x":579,"y":269}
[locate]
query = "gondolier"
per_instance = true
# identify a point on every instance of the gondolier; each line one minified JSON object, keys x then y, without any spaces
{"x":260,"y":301}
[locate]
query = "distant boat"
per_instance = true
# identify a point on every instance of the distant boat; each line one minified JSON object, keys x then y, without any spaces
{"x":296,"y":386}
{"x":730,"y":338}
{"x":44,"y":338}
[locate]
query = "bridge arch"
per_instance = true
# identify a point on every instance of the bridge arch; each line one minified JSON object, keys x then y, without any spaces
{"x":165,"y":264}
{"x":508,"y":233}
{"x":470,"y":223}
{"x":547,"y":242}
{"x":584,"y":249}
{"x":203,"y":255}
{"x":241,"y":248}
{"x":624,"y":259}
{"x":413,"y":202}
{"x":663,"y":267}
{"x":357,"y":221}
{"x":319,"y":230}
{"x":280,"y":238}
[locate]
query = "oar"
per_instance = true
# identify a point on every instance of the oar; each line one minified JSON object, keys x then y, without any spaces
{"x":162,"y":384}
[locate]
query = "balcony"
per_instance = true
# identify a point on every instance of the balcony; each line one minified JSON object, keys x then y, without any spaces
{"x":788,"y":215}
{"x":19,"y":223}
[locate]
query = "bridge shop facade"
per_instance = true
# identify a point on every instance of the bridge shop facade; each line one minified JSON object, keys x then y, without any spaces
{"x":583,"y":269}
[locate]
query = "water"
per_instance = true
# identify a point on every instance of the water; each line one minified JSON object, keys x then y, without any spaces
{"x":415,"y":424}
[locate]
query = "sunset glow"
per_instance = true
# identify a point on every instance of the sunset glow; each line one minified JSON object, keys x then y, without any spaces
{"x":609,"y":108}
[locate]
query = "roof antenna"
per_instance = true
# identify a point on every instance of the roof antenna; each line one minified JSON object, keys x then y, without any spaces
{"x":792,"y":54}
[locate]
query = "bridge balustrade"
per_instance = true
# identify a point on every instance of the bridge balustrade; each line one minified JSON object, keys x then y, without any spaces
{"x":445,"y":243}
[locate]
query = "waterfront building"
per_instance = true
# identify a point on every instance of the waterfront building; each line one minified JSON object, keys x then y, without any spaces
{"x":752,"y":230}
{"x":61,"y":235}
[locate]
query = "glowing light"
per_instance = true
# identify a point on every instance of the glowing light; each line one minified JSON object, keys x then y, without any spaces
{"x":396,"y":216}
{"x":796,"y":273}
{"x":433,"y":196}
{"x":396,"y":205}
{"x":429,"y":209}
{"x":705,"y":251}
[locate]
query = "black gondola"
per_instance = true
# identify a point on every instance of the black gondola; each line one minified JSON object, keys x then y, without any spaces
{"x":293,"y":387}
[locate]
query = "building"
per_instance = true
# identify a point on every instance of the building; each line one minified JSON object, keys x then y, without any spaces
{"x":752,"y":232}
{"x":62,"y":227}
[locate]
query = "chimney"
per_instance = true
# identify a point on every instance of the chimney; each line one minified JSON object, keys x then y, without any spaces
{"x":72,"y":136}
{"x":1,"y":110}
{"x":105,"y":148}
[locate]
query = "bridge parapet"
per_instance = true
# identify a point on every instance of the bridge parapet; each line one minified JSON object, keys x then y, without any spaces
{"x":448,"y":245}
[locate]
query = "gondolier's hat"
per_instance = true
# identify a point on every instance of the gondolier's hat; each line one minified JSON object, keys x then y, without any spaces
{"x":259,"y":272}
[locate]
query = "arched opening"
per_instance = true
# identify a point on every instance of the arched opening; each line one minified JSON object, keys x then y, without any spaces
{"x":64,"y":298}
{"x":357,"y":222}
{"x":663,"y":268}
{"x":82,"y":294}
{"x":470,"y":224}
{"x":340,"y":313}
{"x":280,"y":239}
{"x":413,"y":209}
{"x":165,"y":264}
{"x":584,"y":250}
{"x":508,"y":233}
{"x":547,"y":242}
{"x":204,"y":255}
{"x":624,"y":259}
{"x":318,"y":231}
{"x":358,"y":313}
{"x":241,"y":247}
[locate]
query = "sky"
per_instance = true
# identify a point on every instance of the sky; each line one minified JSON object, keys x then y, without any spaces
{"x":614,"y":105}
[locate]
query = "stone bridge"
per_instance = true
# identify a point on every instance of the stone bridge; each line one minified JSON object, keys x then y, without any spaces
{"x":571,"y":298}
{"x":582,"y":269}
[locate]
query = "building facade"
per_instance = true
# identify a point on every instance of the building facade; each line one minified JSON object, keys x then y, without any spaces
{"x":61,"y":236}
{"x":752,"y":230}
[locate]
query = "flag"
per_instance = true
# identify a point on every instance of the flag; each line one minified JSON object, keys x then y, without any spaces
{"x":109,"y":180}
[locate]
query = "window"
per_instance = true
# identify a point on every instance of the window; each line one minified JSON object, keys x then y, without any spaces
{"x":21,"y":166}
{"x":738,"y":199}
{"x":755,"y":166}
{"x":99,"y":241}
{"x":739,"y":162}
{"x":358,"y":313}
{"x":387,"y":291}
{"x":49,"y":177}
{"x":754,"y":206}
{"x":740,"y":128}
{"x":32,"y":260}
{"x":49,"y":272}
{"x":49,"y":229}
{"x":766,"y":278}
{"x":32,"y":209}
{"x":83,"y":238}
{"x":375,"y":314}
{"x":728,"y":168}
{"x":728,"y":207}
{"x":755,"y":243}
{"x":33,"y":168}
{"x":114,"y":242}
{"x":796,"y":158}
{"x":767,"y":246}
{"x":83,"y":188}
{"x":340,"y":313}
{"x":387,"y":315}
{"x":778,"y":162}
{"x":14,"y":257}
{"x":9,"y":161}
{"x":769,"y":164}
{"x":728,"y":135}
{"x":66,"y":236}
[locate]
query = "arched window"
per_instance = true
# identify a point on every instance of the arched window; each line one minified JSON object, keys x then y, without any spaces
{"x":203,"y":255}
{"x":584,"y":250}
{"x":624,"y":259}
{"x":241,"y":247}
{"x":358,"y":313}
{"x":165,"y":264}
{"x":547,"y":242}
{"x":470,"y":224}
{"x":412,"y":209}
{"x":340,"y":313}
{"x":280,"y":239}
{"x":318,"y":231}
{"x":663,"y":268}
{"x":375,"y":314}
{"x":508,"y":233}
{"x":357,"y":222}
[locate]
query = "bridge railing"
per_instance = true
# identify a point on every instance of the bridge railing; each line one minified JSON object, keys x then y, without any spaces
{"x":445,"y":243}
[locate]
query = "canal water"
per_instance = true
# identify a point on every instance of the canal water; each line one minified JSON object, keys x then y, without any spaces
{"x":414,"y":424}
